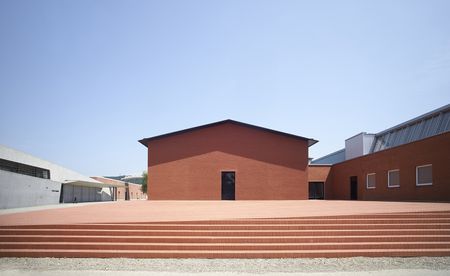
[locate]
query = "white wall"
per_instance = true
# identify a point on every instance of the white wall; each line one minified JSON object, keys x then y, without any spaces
{"x":368,"y":140}
{"x":85,"y":194}
{"x":18,"y":190}
{"x":358,"y":145}
{"x":57,"y":173}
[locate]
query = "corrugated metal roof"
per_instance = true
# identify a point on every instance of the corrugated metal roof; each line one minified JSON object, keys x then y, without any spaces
{"x":429,"y":124}
{"x":330,"y":159}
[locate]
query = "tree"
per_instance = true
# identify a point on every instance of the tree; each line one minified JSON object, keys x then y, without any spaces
{"x":144,"y":182}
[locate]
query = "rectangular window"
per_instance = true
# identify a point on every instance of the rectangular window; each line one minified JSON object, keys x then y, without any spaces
{"x":393,"y":178}
{"x":424,"y":175}
{"x":371,"y":183}
{"x":11,"y":166}
{"x":45,"y":174}
{"x":316,"y":190}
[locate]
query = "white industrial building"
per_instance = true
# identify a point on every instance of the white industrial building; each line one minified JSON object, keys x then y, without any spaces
{"x":26,"y":180}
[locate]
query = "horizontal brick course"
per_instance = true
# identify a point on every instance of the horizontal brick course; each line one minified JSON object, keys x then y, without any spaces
{"x":426,"y":234}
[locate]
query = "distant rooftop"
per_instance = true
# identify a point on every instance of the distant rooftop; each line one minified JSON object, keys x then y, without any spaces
{"x":332,"y":158}
{"x":136,"y":179}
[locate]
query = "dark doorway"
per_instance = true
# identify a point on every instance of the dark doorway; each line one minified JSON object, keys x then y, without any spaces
{"x":353,"y":187}
{"x":228,"y":185}
{"x":127,"y":191}
{"x":316,"y":190}
{"x":61,"y":195}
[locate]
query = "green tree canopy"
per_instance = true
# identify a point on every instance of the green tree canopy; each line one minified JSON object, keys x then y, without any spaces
{"x":144,"y":182}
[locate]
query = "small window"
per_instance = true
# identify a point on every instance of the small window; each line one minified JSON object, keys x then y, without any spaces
{"x":424,"y":175}
{"x":45,"y":174}
{"x":393,"y":178}
{"x":371,"y":183}
{"x":25,"y":169}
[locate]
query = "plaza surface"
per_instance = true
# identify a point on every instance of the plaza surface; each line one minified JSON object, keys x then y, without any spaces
{"x":154,"y":211}
{"x":158,"y":211}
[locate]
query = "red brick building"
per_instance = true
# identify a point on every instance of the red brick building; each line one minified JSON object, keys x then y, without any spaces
{"x":234,"y":160}
{"x":123,"y":190}
{"x":227,"y":160}
{"x":408,"y":162}
{"x":372,"y":175}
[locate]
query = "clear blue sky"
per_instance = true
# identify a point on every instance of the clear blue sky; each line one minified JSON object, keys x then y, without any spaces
{"x":82,"y":81}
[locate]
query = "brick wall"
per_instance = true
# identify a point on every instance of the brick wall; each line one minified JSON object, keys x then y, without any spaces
{"x":189,"y":165}
{"x":433,"y":150}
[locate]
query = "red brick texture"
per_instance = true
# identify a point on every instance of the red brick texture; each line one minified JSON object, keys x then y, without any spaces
{"x":135,"y":192}
{"x":270,"y":166}
{"x":134,"y":189}
{"x":321,"y":173}
{"x":188,"y":165}
{"x":369,"y":232}
{"x":318,"y":173}
{"x":434,"y":150}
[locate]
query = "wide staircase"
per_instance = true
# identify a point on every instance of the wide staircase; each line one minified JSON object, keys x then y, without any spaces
{"x":377,"y":235}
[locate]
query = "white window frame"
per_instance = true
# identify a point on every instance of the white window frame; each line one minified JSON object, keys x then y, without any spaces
{"x":367,"y":181}
{"x":389,"y":184}
{"x":417,"y":175}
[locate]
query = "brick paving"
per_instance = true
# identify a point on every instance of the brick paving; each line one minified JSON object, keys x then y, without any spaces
{"x":154,"y":211}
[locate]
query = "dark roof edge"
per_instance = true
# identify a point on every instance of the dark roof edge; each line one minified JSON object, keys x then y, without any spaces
{"x":144,"y":141}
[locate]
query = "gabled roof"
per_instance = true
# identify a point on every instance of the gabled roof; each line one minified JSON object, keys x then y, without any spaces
{"x":146,"y":140}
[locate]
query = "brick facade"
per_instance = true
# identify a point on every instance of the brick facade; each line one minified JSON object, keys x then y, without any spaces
{"x":188,"y":165}
{"x":405,"y":158}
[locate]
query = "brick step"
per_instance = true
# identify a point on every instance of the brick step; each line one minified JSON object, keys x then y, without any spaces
{"x":331,"y":232}
{"x":329,"y":220}
{"x":377,"y":235}
{"x":385,"y":215}
{"x":261,"y":222}
{"x":299,"y":221}
{"x":249,"y":227}
{"x":223,"y":253}
{"x":393,"y":216}
{"x":222,"y":246}
{"x":296,"y":221}
{"x":225,"y":239}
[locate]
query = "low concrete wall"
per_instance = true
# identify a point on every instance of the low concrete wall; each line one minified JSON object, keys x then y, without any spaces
{"x":18,"y":190}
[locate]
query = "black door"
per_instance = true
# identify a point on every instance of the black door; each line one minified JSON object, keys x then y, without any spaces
{"x":127,"y":191}
{"x":353,"y":187}
{"x":228,"y":180}
{"x":316,"y":190}
{"x":61,"y":195}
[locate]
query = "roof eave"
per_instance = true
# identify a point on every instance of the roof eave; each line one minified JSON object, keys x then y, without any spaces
{"x":312,"y":142}
{"x":145,"y":141}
